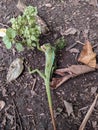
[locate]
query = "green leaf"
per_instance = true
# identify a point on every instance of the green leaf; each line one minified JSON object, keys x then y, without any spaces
{"x":24,"y":29}
{"x":60,"y":43}
{"x":7,"y":42}
{"x":19,"y":47}
{"x":11,"y":33}
{"x":9,"y":45}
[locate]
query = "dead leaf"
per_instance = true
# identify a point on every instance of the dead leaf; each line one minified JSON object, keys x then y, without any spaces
{"x":56,"y":82}
{"x":2,"y":104}
{"x":2,"y":32}
{"x":15,"y":69}
{"x":87,"y":56}
{"x":83,"y":124}
{"x":43,"y":25}
{"x":73,"y":71}
{"x":69,"y":107}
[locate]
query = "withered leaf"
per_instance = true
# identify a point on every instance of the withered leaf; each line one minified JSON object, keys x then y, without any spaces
{"x":87,"y":56}
{"x":73,"y":71}
{"x":15,"y":69}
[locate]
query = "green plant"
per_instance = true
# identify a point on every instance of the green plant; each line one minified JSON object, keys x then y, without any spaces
{"x":24,"y":30}
{"x":60,"y":43}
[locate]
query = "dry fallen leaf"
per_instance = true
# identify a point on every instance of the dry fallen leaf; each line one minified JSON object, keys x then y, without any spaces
{"x":74,"y":50}
{"x":2,"y":104}
{"x":73,"y":71}
{"x":69,"y":107}
{"x":2,"y":32}
{"x":15,"y":69}
{"x":87,"y":56}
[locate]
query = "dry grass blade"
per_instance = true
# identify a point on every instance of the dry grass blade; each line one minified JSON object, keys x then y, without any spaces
{"x":82,"y":126}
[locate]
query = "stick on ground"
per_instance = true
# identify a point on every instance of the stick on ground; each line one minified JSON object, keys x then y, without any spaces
{"x":83,"y":124}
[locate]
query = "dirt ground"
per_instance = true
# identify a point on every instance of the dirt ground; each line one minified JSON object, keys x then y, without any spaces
{"x":26,"y":108}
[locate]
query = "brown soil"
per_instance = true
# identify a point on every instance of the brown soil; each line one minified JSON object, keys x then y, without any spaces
{"x":27,"y":109}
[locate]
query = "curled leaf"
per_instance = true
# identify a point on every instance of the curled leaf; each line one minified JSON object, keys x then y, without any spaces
{"x":2,"y":104}
{"x":73,"y":71}
{"x":87,"y":56}
{"x":15,"y":69}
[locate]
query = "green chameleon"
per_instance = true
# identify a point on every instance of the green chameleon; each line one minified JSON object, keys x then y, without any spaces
{"x":50,"y":57}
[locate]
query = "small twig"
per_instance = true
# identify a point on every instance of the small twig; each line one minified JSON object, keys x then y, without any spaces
{"x":94,"y":46}
{"x":68,"y":48}
{"x":33,"y":121}
{"x":34,"y":83}
{"x":82,"y":126}
{"x":81,"y":109}
{"x":4,"y":25}
{"x":14,"y":116}
{"x":80,"y":42}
